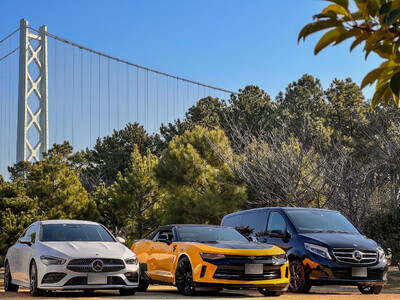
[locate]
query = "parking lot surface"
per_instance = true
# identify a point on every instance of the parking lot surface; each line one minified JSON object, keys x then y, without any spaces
{"x":391,"y":291}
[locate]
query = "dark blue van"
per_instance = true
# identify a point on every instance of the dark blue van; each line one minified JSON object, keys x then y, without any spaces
{"x":322,"y":246}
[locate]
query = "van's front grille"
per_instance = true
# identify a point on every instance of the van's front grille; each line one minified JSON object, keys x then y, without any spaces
{"x":355,"y":256}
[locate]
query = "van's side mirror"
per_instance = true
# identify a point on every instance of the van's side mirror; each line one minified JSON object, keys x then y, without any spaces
{"x":120,"y":240}
{"x":163,"y":238}
{"x":276,"y":233}
{"x":25,"y":240}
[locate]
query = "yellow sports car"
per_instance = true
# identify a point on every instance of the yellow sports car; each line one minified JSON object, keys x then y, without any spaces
{"x":191,"y":256}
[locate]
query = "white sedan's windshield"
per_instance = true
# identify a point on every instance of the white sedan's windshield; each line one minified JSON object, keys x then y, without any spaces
{"x":74,"y":233}
{"x":313,"y":220}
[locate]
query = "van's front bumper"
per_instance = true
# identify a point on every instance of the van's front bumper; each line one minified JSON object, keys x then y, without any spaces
{"x":322,"y":271}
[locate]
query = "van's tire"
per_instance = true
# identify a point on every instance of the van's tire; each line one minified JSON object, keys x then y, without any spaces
{"x":8,"y":285}
{"x":298,"y":278}
{"x":370,"y":289}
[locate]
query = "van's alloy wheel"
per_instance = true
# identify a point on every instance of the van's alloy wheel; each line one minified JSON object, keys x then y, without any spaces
{"x":298,"y":280}
{"x":8,"y":286}
{"x":184,"y":277}
{"x":370,"y":289}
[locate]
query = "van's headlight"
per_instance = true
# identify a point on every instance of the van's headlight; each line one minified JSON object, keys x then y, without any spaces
{"x":321,"y":251}
{"x":279,"y":259}
{"x":381,"y":253}
{"x":52,"y":260}
{"x":212,"y":256}
{"x":131,"y":260}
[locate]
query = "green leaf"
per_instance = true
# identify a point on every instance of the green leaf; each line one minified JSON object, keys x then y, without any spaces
{"x":317,"y":26}
{"x":395,"y":84}
{"x":348,"y":34}
{"x":358,"y":41}
{"x":328,"y":38}
{"x":378,"y":95}
{"x":371,"y":77}
{"x":336,"y":9}
{"x":385,"y":8}
{"x":393,"y":15}
{"x":384,"y":51}
{"x":342,"y":3}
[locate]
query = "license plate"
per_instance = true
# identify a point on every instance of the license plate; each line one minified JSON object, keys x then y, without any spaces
{"x":97,"y":279}
{"x":359,"y":272}
{"x":253,"y":268}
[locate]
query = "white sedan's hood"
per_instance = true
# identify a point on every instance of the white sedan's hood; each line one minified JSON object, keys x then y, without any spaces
{"x":87,"y":249}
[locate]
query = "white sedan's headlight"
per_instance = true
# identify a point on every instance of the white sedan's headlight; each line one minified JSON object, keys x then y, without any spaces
{"x":52,"y":260}
{"x":319,"y":250}
{"x":131,"y":260}
{"x":212,"y":256}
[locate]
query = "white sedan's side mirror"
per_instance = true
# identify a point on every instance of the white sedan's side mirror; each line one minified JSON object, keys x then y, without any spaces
{"x":25,"y":240}
{"x":120,"y":240}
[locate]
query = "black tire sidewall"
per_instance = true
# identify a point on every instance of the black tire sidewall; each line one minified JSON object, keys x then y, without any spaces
{"x":304,"y":285}
{"x":181,"y":261}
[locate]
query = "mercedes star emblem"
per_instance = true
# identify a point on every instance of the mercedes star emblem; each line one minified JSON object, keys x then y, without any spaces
{"x":357,"y":255}
{"x":97,"y":265}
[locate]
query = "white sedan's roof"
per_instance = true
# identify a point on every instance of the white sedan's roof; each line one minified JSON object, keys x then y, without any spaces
{"x":68,"y":222}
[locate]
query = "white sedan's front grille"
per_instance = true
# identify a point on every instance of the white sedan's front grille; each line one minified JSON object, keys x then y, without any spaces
{"x":85,"y":265}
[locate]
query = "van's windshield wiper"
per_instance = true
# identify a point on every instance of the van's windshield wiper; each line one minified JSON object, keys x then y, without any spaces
{"x":331,"y":231}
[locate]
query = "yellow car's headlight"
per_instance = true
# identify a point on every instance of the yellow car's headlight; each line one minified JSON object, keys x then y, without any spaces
{"x":212,"y":256}
{"x":279,"y":259}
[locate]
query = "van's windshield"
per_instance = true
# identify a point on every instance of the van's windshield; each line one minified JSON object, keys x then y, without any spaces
{"x":313,"y":220}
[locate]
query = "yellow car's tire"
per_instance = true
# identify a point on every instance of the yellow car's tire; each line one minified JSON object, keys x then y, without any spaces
{"x":184,"y":277}
{"x":143,"y":286}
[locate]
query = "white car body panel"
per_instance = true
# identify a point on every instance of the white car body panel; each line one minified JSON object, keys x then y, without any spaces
{"x":21,"y":255}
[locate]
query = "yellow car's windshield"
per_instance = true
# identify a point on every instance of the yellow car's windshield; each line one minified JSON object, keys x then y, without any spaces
{"x":209,"y":234}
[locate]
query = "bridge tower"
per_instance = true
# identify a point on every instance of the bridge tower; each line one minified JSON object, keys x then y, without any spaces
{"x":33,"y":138}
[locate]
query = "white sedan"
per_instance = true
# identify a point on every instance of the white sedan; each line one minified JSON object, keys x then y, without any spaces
{"x":70,"y":255}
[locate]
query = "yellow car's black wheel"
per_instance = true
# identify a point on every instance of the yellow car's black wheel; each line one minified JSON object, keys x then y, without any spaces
{"x":184,"y":277}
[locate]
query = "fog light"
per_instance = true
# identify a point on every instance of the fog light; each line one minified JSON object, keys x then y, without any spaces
{"x":53,"y":277}
{"x":132,"y":276}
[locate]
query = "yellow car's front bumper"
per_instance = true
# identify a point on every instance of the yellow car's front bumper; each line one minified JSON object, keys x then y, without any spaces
{"x":208,"y":274}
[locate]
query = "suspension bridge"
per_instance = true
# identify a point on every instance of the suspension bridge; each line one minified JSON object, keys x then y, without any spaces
{"x":53,"y":90}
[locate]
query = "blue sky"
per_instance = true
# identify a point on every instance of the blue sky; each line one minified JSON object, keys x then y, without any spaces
{"x":226,"y":43}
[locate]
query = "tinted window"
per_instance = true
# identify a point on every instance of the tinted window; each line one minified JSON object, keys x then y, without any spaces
{"x":209,"y":234}
{"x":32,"y":233}
{"x":234,"y":221}
{"x":276,"y":222}
{"x":75,"y":233}
{"x":167,"y":232}
{"x":254,"y":223}
{"x":313,"y":220}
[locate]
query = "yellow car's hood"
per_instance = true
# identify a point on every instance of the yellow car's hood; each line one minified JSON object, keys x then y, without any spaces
{"x":239,"y":248}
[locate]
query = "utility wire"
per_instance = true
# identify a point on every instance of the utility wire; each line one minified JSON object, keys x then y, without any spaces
{"x":132,"y":64}
{"x":10,"y":35}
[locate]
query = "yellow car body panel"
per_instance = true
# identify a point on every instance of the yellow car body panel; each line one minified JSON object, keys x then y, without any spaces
{"x":161,"y":260}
